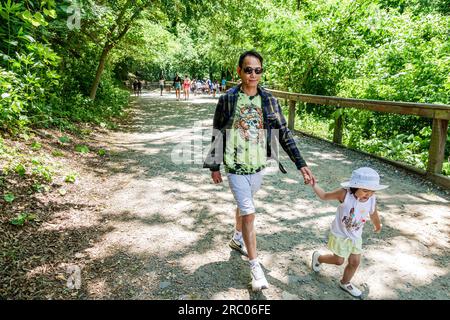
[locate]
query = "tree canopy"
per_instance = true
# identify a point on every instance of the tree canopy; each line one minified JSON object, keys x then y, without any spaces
{"x":66,"y":61}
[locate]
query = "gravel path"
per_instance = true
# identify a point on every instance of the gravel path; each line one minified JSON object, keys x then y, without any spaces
{"x":161,"y":227}
{"x":171,"y":225}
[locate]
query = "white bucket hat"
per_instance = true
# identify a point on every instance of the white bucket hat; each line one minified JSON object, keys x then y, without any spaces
{"x":365,"y":178}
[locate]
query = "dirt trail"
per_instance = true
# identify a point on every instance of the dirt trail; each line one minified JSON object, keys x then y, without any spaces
{"x":176,"y":224}
{"x":162,"y":227}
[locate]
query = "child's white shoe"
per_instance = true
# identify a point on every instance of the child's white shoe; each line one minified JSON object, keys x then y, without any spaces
{"x":350,"y":288}
{"x":315,"y":264}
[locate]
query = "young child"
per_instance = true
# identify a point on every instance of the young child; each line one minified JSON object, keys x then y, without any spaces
{"x":358,"y":203}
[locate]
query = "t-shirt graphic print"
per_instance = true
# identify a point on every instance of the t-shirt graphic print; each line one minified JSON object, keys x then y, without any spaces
{"x":246,"y":142}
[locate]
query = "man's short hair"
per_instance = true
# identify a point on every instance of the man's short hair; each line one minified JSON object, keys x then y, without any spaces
{"x":252,"y":53}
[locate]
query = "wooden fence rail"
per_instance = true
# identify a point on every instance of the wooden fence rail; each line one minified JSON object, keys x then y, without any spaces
{"x":438,"y":112}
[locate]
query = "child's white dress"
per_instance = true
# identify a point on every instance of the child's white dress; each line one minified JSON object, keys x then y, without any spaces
{"x":351,"y":215}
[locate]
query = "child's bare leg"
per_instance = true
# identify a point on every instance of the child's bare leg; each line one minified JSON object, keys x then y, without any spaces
{"x":350,"y":269}
{"x":331,"y":259}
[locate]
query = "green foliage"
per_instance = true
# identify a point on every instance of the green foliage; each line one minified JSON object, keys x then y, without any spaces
{"x":40,"y":83}
{"x":408,"y":63}
{"x":316,"y":127}
{"x":9,"y":197}
{"x":339,"y":49}
{"x":20,"y":170}
{"x":446,"y":168}
{"x":64,"y":139}
{"x":371,"y":49}
{"x":418,"y":6}
{"x":57,"y":153}
{"x":71,"y":178}
{"x":406,"y":148}
{"x":37,"y":187}
{"x":81,"y":148}
{"x":36,"y":146}
{"x":22,"y":218}
{"x":41,"y":170}
{"x":28,"y":65}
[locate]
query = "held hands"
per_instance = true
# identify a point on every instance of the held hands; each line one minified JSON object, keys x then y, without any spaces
{"x":308,"y":177}
{"x":216,"y":177}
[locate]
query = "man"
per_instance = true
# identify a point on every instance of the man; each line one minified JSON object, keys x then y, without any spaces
{"x":245,"y":119}
{"x":139,"y":87}
{"x":135,"y":87}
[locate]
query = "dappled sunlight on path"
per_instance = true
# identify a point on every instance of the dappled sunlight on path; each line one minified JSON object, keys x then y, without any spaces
{"x":170,"y":217}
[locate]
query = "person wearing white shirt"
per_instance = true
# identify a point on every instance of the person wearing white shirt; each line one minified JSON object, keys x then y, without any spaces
{"x":357,"y":206}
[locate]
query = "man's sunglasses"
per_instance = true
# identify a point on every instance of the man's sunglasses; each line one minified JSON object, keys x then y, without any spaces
{"x":249,"y":70}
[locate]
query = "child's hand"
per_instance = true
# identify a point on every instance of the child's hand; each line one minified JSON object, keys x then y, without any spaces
{"x":377,"y":230}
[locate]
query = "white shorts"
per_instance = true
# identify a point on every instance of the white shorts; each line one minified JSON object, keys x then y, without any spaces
{"x":243,"y":188}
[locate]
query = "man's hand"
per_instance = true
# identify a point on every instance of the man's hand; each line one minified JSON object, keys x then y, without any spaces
{"x":216,"y":176}
{"x":308,"y":177}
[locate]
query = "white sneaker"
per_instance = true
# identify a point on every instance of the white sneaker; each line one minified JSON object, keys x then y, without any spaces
{"x":238,"y":245}
{"x":259,"y":281}
{"x":350,"y":288}
{"x":315,"y":264}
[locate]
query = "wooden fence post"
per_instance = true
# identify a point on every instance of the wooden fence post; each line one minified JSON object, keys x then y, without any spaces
{"x":338,"y":127}
{"x":437,"y":146}
{"x":291,"y":121}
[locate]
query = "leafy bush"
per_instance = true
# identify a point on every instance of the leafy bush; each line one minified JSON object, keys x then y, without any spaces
{"x":22,"y":218}
{"x":28,"y":77}
{"x":37,"y":86}
{"x":71,"y":178}
{"x":446,"y":168}
{"x":82,"y":149}
{"x":9,"y":197}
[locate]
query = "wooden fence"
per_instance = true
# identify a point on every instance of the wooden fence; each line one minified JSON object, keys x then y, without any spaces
{"x":438,"y":112}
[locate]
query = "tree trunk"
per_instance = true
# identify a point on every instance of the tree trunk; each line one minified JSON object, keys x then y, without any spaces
{"x":101,"y":67}
{"x":110,"y":43}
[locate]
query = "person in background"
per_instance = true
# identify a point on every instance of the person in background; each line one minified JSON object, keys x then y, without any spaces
{"x":161,"y":84}
{"x":177,"y":86}
{"x":135,"y":87}
{"x":215,"y":88}
{"x":186,"y":87}
{"x":223,"y":85}
{"x":139,"y":87}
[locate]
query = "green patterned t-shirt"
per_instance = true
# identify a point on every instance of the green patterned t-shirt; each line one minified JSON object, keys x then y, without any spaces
{"x":245,"y":151}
